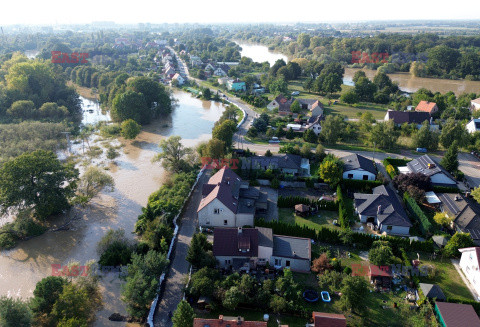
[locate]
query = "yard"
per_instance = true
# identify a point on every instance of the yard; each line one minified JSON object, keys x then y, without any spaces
{"x":322,"y":218}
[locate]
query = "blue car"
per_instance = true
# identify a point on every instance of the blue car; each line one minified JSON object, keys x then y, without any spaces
{"x":422,"y":150}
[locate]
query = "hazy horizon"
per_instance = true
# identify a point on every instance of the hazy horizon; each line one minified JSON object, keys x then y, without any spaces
{"x":50,"y":13}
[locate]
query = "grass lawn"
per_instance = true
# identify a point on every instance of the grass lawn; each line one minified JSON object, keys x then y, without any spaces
{"x":448,"y":279}
{"x":322,"y":218}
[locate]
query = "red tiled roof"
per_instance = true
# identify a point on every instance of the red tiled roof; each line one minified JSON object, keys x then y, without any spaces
{"x":199,"y":322}
{"x":220,"y":186}
{"x":322,"y":319}
{"x":426,"y":106}
{"x":458,"y":315}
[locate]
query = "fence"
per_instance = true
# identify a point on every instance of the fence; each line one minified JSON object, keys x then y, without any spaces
{"x":169,"y":254}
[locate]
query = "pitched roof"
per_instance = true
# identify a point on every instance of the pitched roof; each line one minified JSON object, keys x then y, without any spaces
{"x":466,"y":212}
{"x":284,"y":161}
{"x":322,"y":319}
{"x":457,"y":315}
{"x":265,"y":237}
{"x":355,"y":161}
{"x":384,"y":205}
{"x":432,"y":291}
{"x":477,"y":101}
{"x":410,"y":117}
{"x":291,"y":247}
{"x":426,"y":106}
{"x":200,"y":322}
{"x":426,"y":166}
{"x":235,"y":242}
{"x":224,"y":186}
{"x":307,"y":101}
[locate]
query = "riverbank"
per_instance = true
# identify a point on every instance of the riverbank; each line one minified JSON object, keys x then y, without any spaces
{"x":85,"y":92}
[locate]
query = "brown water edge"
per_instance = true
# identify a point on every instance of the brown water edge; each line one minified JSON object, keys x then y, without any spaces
{"x":410,"y":83}
{"x":136,"y":177}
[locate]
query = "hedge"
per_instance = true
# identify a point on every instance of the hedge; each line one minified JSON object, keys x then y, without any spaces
{"x":395,"y":162}
{"x":360,"y":185}
{"x":346,"y":215}
{"x":391,"y":171}
{"x":291,"y":201}
{"x":446,"y":189}
{"x":414,"y":209}
{"x":332,"y":236}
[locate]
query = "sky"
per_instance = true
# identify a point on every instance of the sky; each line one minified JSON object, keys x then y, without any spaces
{"x":48,"y":12}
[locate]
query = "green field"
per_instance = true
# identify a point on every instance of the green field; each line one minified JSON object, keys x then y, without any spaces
{"x":322,"y":218}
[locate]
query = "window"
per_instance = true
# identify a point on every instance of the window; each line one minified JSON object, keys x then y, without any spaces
{"x":350,"y":176}
{"x":227,"y":262}
{"x":365,"y":177}
{"x":389,"y":228}
{"x":225,"y":222}
{"x":287,"y":263}
{"x":278,"y":262}
{"x":207,"y":222}
{"x":216,"y":211}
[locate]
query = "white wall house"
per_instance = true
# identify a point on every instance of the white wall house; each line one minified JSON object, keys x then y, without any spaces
{"x":469,"y":263}
{"x":273,"y":105}
{"x":358,"y":167}
{"x":359,"y":174}
{"x":216,"y":213}
{"x":473,"y":126}
{"x":475,"y":104}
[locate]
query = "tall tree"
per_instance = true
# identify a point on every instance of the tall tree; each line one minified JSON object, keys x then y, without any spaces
{"x":330,"y":170}
{"x":14,"y":313}
{"x":450,"y":160}
{"x":225,"y":131}
{"x":452,"y":131}
{"x":332,"y":128}
{"x":183,"y":315}
{"x":354,"y":291}
{"x":173,"y":155}
{"x":130,"y":105}
{"x":425,"y":138}
{"x":37,"y":179}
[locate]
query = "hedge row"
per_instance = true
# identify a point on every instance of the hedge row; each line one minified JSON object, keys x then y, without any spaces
{"x":446,"y":189}
{"x":346,"y":215}
{"x":360,"y":185}
{"x":332,"y":236}
{"x":391,"y":171}
{"x":474,"y":304}
{"x":414,"y":209}
{"x":395,"y":162}
{"x":291,"y":201}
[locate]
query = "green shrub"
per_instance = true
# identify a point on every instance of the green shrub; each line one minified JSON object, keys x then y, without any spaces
{"x":7,"y":241}
{"x":116,"y":254}
{"x":110,"y":130}
{"x":445,"y":189}
{"x":391,"y":171}
{"x":360,"y":185}
{"x":414,"y":209}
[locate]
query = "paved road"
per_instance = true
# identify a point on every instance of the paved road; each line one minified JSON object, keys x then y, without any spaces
{"x":178,"y":272}
{"x":470,"y":166}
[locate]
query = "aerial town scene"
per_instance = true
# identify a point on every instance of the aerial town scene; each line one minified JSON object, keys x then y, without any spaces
{"x":258,"y":164}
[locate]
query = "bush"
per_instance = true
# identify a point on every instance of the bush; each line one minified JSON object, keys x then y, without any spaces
{"x":7,"y":241}
{"x":110,"y":130}
{"x":116,"y":254}
{"x":360,"y":185}
{"x":414,"y":209}
{"x":445,"y":189}
{"x":391,"y":171}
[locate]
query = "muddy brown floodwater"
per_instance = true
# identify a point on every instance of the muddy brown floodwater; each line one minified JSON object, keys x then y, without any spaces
{"x":136,"y":177}
{"x":410,"y":83}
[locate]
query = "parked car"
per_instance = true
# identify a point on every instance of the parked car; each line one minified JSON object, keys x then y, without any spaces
{"x":274,"y":140}
{"x":422,"y":150}
{"x":295,"y":93}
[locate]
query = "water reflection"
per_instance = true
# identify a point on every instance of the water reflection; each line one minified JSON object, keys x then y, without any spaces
{"x":260,"y":53}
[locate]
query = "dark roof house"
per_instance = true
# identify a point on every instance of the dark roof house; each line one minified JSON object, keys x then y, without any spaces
{"x":428,"y":167}
{"x":235,"y":242}
{"x":456,"y":315}
{"x":285,"y":162}
{"x":227,"y":322}
{"x":356,"y":161}
{"x":432,"y":291}
{"x":409,"y":117}
{"x":291,"y":247}
{"x":323,"y":319}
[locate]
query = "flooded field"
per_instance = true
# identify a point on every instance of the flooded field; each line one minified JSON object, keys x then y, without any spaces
{"x":136,"y":177}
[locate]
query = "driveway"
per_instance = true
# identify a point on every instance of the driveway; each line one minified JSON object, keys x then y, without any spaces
{"x":179,"y":268}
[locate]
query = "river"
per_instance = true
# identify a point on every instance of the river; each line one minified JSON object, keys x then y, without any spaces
{"x":406,"y":82}
{"x":136,"y":177}
{"x":260,"y":53}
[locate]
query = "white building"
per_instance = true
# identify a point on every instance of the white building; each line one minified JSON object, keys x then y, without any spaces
{"x":473,"y":126}
{"x":475,"y":104}
{"x":177,"y":77}
{"x":469,"y":263}
{"x":358,"y":167}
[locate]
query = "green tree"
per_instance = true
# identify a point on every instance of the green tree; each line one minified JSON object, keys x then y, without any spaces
{"x":130,"y":129}
{"x":22,"y":109}
{"x":358,"y":74}
{"x":381,"y":255}
{"x":296,"y":107}
{"x":310,"y":136}
{"x":14,"y":313}
{"x":365,"y":89}
{"x":458,"y":241}
{"x":173,"y":155}
{"x":232,"y":298}
{"x":224,"y":132}
{"x":304,"y":40}
{"x":308,"y":84}
{"x":278,"y":86}
{"x":46,"y":294}
{"x":73,"y":303}
{"x":330,"y":170}
{"x":442,"y":219}
{"x":37,"y":179}
{"x":452,"y":131}
{"x":332,"y":128}
{"x":425,"y":138}
{"x":476,"y":194}
{"x":93,"y":181}
{"x":384,"y":135}
{"x":349,"y":97}
{"x":450,"y":160}
{"x":278,"y":304}
{"x":183,"y":315}
{"x":354,"y":291}
{"x":155,"y":94}
{"x":290,"y":134}
{"x":130,"y":105}
{"x":215,"y":149}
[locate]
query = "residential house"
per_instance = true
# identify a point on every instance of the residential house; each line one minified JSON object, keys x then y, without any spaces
{"x":222,"y":80}
{"x":247,"y":248}
{"x":307,"y":104}
{"x":228,"y":201}
{"x":432,"y":291}
{"x":409,"y":117}
{"x":195,"y":61}
{"x":169,"y":73}
{"x":428,"y":167}
{"x":177,"y":77}
{"x":464,"y":212}
{"x":323,"y":319}
{"x":227,"y":322}
{"x":456,"y":315}
{"x":358,"y":167}
{"x":384,"y":210}
{"x":286,"y":163}
{"x":236,"y":85}
{"x":209,"y":67}
{"x":314,"y":123}
{"x":380,"y":276}
{"x":221,"y":70}
{"x":317,"y":109}
{"x":475,"y":104}
{"x":473,"y":126}
{"x":427,"y":106}
{"x":282,"y":104}
{"x":470,"y":265}
{"x":258,"y":89}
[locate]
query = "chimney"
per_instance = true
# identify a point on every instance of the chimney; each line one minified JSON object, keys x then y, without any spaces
{"x":239,"y":229}
{"x":239,"y":320}
{"x":379,"y":209}
{"x":220,"y":317}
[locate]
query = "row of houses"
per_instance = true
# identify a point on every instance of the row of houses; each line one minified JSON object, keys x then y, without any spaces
{"x":283,"y":105}
{"x":169,"y":71}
